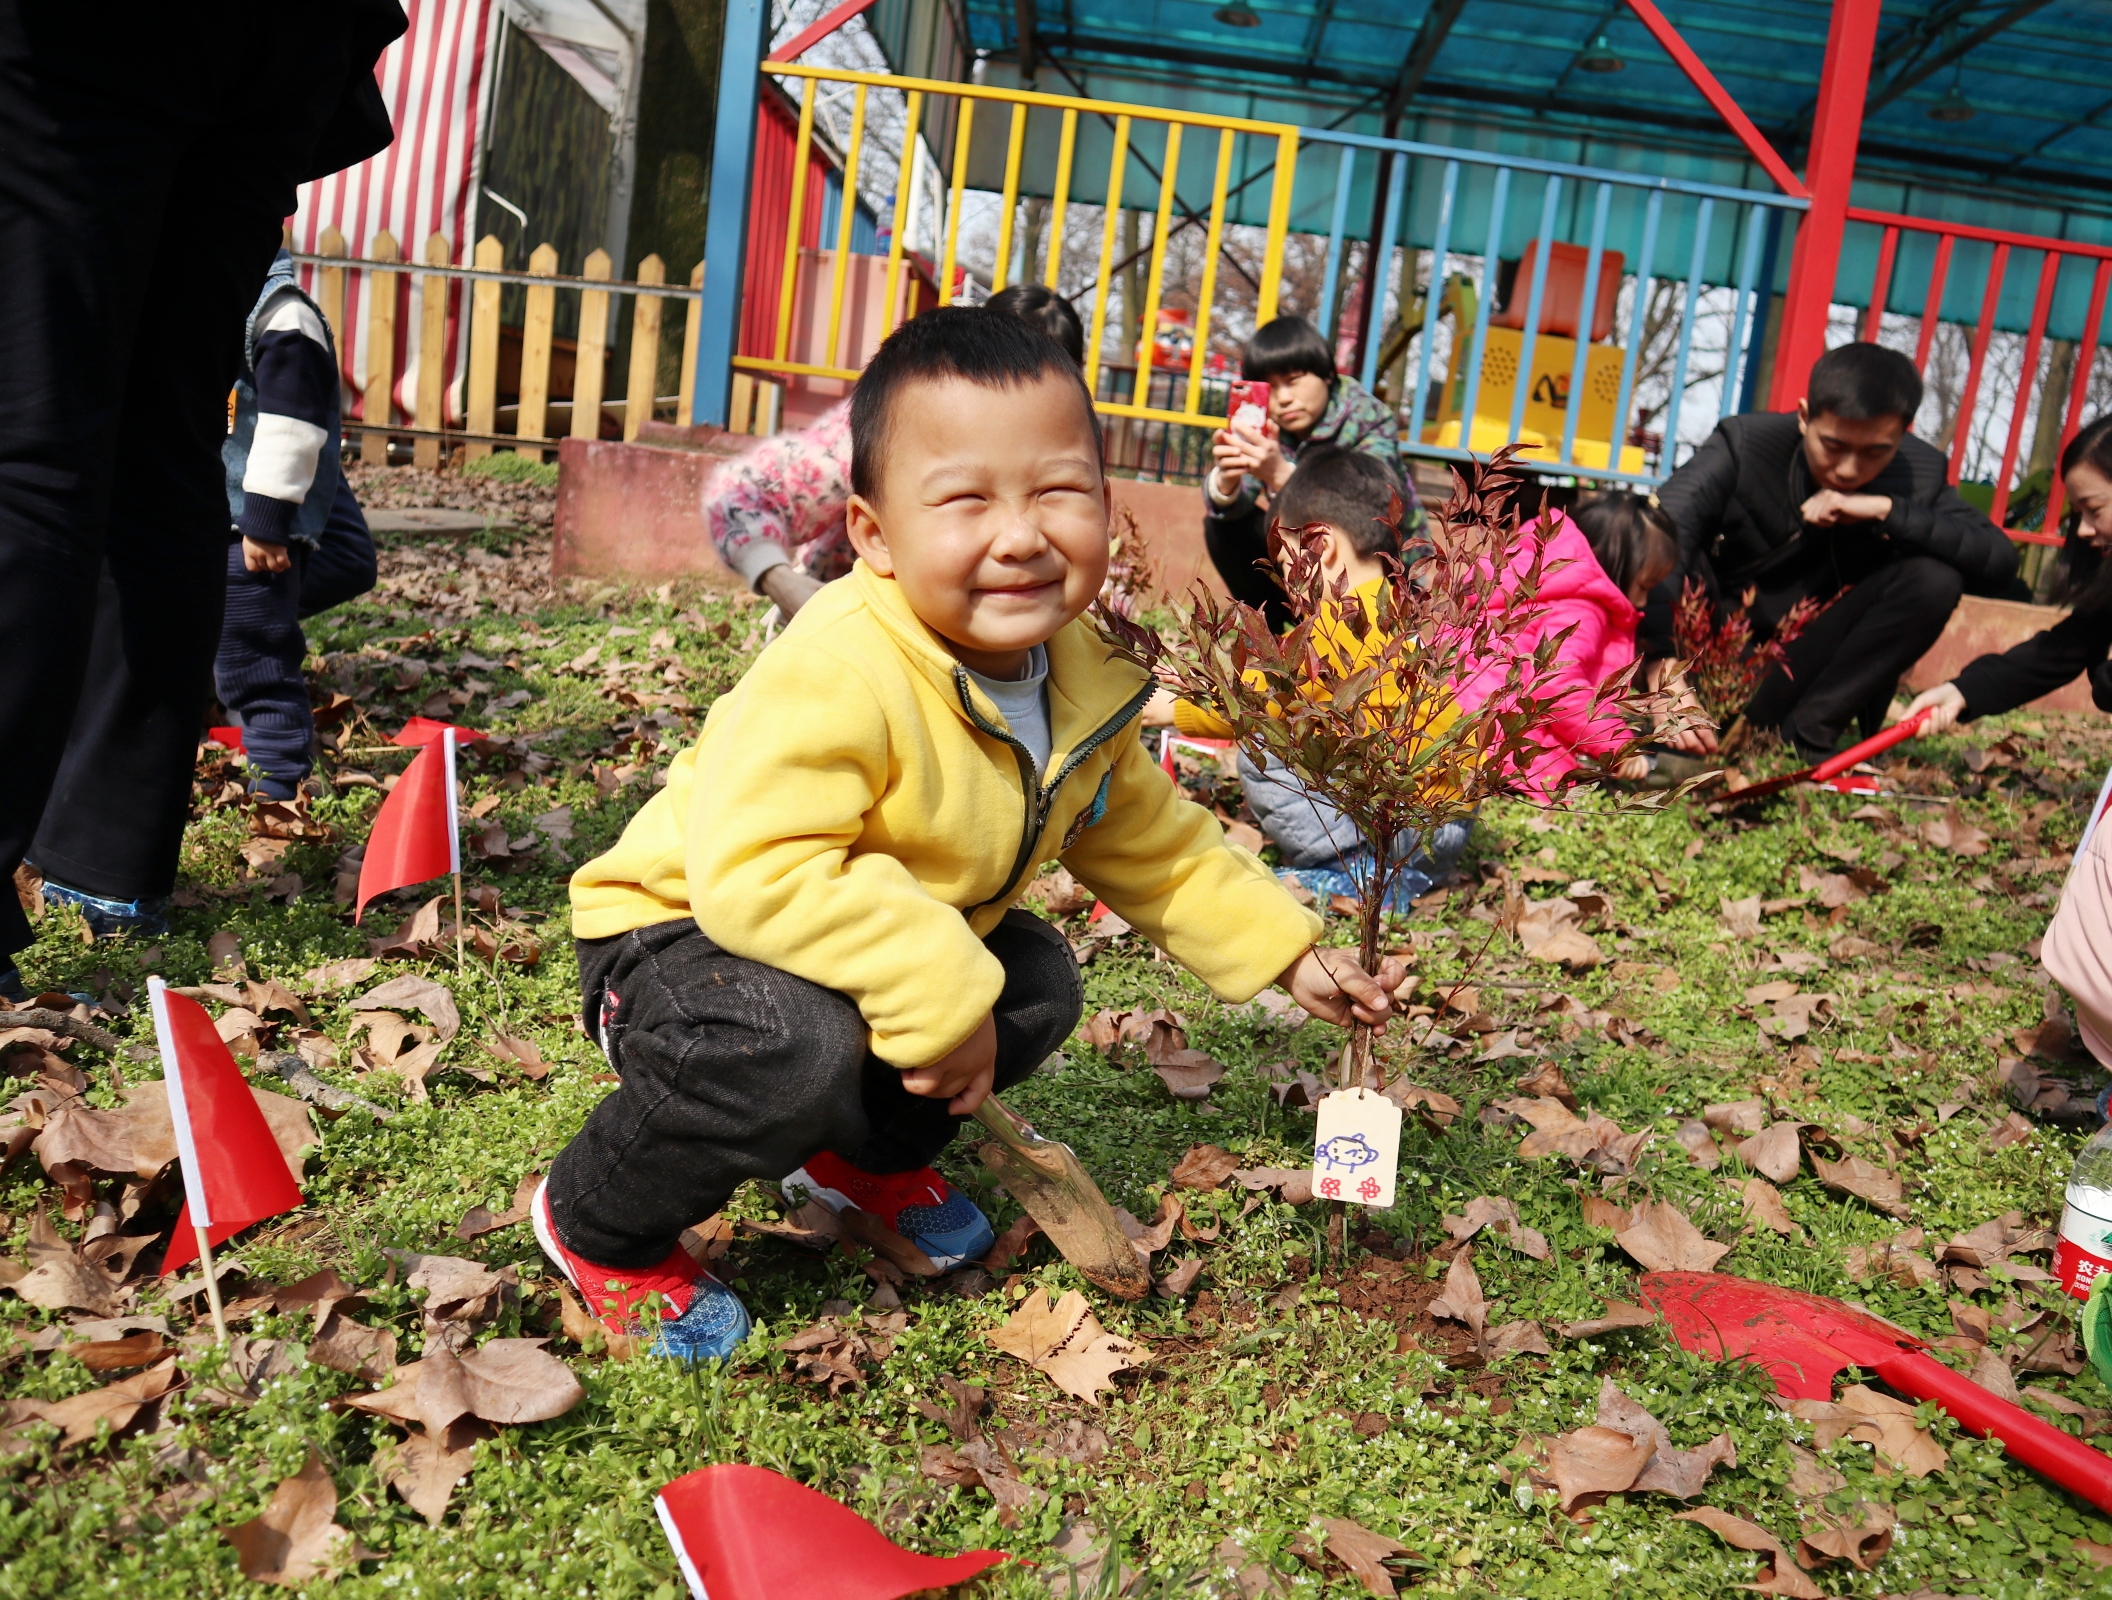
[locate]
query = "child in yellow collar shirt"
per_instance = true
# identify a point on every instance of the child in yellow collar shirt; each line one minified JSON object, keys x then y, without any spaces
{"x":802,"y":957}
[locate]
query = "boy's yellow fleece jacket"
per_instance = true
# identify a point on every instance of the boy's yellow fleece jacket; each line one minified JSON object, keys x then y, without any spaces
{"x":857,"y":813}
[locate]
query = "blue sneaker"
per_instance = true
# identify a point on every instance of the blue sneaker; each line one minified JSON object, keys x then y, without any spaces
{"x":144,"y":918}
{"x":700,"y":1318}
{"x":921,"y":1206}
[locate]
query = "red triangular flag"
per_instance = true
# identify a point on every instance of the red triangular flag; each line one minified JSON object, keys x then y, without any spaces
{"x":226,"y":739}
{"x":234,"y":1173}
{"x":424,"y":730}
{"x":747,"y":1533}
{"x":415,"y":834}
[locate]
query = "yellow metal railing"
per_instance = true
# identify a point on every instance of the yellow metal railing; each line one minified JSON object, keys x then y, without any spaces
{"x":1125,"y":119}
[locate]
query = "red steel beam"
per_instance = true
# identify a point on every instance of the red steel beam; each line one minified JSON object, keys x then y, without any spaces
{"x":1719,"y":98}
{"x":1932,"y":302}
{"x":1964,"y":230}
{"x":1881,"y":286}
{"x":2049,"y":270}
{"x":823,"y":26}
{"x":1990,"y":301}
{"x":2078,"y":392}
{"x":1836,"y":131}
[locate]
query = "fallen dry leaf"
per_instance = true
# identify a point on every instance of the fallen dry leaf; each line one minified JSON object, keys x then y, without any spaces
{"x":1010,"y":1245}
{"x":425,"y":1470}
{"x":1588,"y":1464}
{"x":1063,"y":1339}
{"x":1205,"y":1166}
{"x":1764,"y":1205}
{"x":1670,"y":1470}
{"x":1461,"y":1299}
{"x":1663,"y":1240}
{"x":1809,"y":1477}
{"x":1549,"y":930}
{"x":1779,"y":1572}
{"x":1741,"y":918}
{"x":295,"y":1539}
{"x":1188,"y":1074}
{"x":347,"y":1346}
{"x":863,"y":1228}
{"x":1591,"y":1141}
{"x":1487,"y":1211}
{"x":1363,"y":1551}
{"x":119,"y":1404}
{"x":1774,"y":1152}
{"x":426,"y":995}
{"x":1619,"y":1314}
{"x":1861,"y":1543}
{"x":1878,"y":1186}
{"x":1521,"y":1337}
{"x":1992,"y":1373}
{"x":1953,"y":833}
{"x":520,"y":1054}
{"x":1877,"y":1420}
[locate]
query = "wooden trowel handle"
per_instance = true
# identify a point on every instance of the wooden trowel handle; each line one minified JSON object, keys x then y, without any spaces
{"x":1015,"y":1135}
{"x":2037,"y":1444}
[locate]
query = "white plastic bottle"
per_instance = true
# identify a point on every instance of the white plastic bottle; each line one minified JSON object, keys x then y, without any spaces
{"x":2085,"y":1249}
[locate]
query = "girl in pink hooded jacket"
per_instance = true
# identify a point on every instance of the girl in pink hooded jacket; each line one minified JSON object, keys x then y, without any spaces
{"x":1594,"y":579}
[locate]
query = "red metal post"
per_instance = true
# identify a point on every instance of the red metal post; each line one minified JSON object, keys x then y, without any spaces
{"x":2078,"y":392}
{"x":1932,"y":302}
{"x":1990,"y":301}
{"x":1719,"y":98}
{"x":2049,"y":270}
{"x":821,"y":29}
{"x":1836,"y":132}
{"x":1881,"y":286}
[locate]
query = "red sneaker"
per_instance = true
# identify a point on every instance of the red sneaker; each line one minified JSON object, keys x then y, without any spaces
{"x":700,"y":1318}
{"x":921,"y":1206}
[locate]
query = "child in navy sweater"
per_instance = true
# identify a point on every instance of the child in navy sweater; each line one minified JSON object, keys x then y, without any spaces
{"x":299,"y":544}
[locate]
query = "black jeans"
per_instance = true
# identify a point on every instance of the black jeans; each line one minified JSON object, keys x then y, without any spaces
{"x":147,"y":157}
{"x":733,"y":1070}
{"x":1239,"y":548}
{"x":1847,"y":664}
{"x":258,"y":670}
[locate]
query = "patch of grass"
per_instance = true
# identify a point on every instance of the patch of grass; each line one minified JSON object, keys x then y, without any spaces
{"x":510,"y":466}
{"x":1246,"y":1423}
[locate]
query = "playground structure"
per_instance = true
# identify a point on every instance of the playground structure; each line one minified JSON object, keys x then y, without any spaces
{"x":843,"y":200}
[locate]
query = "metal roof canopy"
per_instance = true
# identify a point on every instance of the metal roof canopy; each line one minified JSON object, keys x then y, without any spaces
{"x":2032,"y":152}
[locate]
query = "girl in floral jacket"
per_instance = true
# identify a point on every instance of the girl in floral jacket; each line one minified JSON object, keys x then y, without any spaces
{"x":775,"y":514}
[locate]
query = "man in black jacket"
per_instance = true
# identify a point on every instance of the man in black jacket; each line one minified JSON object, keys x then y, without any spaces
{"x":1834,"y":501}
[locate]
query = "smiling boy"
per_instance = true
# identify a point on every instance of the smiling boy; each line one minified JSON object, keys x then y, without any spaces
{"x":802,"y":957}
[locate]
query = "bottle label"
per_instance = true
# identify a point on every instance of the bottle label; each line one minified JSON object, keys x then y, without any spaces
{"x":2085,"y":1249}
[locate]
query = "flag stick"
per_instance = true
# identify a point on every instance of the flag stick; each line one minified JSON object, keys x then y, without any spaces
{"x":454,"y":842}
{"x":212,"y":1284}
{"x":458,"y":922}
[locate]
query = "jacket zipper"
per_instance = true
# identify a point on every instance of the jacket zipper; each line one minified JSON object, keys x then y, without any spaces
{"x":1039,"y":797}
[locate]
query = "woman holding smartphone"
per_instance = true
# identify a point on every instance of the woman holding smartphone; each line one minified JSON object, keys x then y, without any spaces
{"x":1293,"y":397}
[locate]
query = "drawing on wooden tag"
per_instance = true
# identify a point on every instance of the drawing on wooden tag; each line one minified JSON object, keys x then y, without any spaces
{"x":1357,"y":1148}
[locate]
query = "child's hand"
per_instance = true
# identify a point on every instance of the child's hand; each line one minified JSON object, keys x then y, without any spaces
{"x":1158,"y":710}
{"x":1330,"y":985}
{"x":962,"y":1076}
{"x":260,"y":557}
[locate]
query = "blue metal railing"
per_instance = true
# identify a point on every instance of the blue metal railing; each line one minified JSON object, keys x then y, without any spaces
{"x":1449,"y":184}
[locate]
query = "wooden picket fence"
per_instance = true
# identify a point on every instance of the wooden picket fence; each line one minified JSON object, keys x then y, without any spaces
{"x":648,"y":294}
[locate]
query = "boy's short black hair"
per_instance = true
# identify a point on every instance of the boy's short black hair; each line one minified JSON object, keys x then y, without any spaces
{"x":1629,"y":533}
{"x":986,"y":347}
{"x":1857,"y":382}
{"x":1345,"y":489}
{"x":1286,"y":347}
{"x":1041,"y":307}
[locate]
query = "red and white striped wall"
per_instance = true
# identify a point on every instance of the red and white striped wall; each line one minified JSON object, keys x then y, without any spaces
{"x":436,"y":80}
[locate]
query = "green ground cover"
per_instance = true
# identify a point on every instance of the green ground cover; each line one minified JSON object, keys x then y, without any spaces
{"x":1259,"y":1411}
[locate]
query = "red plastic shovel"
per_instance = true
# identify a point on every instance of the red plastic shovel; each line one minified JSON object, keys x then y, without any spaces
{"x":1802,"y":1340}
{"x":1832,"y":766}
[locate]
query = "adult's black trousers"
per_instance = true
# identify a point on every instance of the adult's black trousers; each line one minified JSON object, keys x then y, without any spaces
{"x":731,"y":1070}
{"x":147,"y":157}
{"x":1847,"y":665}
